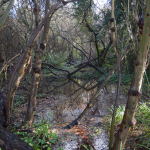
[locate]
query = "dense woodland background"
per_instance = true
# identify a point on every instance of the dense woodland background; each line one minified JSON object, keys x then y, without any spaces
{"x":74,"y":48}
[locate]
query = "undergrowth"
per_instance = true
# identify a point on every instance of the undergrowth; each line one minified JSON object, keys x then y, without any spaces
{"x":143,"y":124}
{"x":41,"y":137}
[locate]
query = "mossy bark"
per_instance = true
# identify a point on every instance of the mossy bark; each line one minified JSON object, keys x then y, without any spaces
{"x":118,"y":71}
{"x":135,"y":89}
{"x":17,"y":76}
{"x":37,"y":69}
{"x":24,"y":62}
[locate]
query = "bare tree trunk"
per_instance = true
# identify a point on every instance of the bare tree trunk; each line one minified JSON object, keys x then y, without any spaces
{"x":24,"y":62}
{"x":118,"y":56}
{"x":91,"y":102}
{"x":15,"y":81}
{"x":37,"y":69}
{"x":135,"y":89}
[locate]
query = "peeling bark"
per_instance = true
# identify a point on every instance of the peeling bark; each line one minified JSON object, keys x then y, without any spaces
{"x":15,"y":81}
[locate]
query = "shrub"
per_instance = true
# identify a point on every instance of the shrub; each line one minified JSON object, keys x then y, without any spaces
{"x":42,"y":138}
{"x":143,"y":120}
{"x":143,"y":114}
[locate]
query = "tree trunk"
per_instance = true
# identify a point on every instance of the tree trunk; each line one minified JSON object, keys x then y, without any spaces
{"x":24,"y":62}
{"x":37,"y":70}
{"x":118,"y":71}
{"x":15,"y":81}
{"x":135,"y":89}
{"x":91,"y":102}
{"x":9,"y":141}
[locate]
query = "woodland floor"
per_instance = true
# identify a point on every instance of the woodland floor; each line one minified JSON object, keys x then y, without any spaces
{"x":92,"y":129}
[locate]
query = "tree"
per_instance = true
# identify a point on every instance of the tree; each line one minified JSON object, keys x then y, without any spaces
{"x":8,"y":140}
{"x":25,"y":59}
{"x":41,"y":44}
{"x":22,"y":66}
{"x":135,"y":89}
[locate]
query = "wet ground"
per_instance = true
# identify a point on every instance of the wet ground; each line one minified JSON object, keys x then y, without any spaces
{"x":59,"y":110}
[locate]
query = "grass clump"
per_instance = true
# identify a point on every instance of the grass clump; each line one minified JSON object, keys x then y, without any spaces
{"x":143,"y":122}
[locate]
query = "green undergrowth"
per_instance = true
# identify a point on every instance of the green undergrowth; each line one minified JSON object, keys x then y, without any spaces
{"x":142,"y":140}
{"x":40,"y":137}
{"x":143,"y":122}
